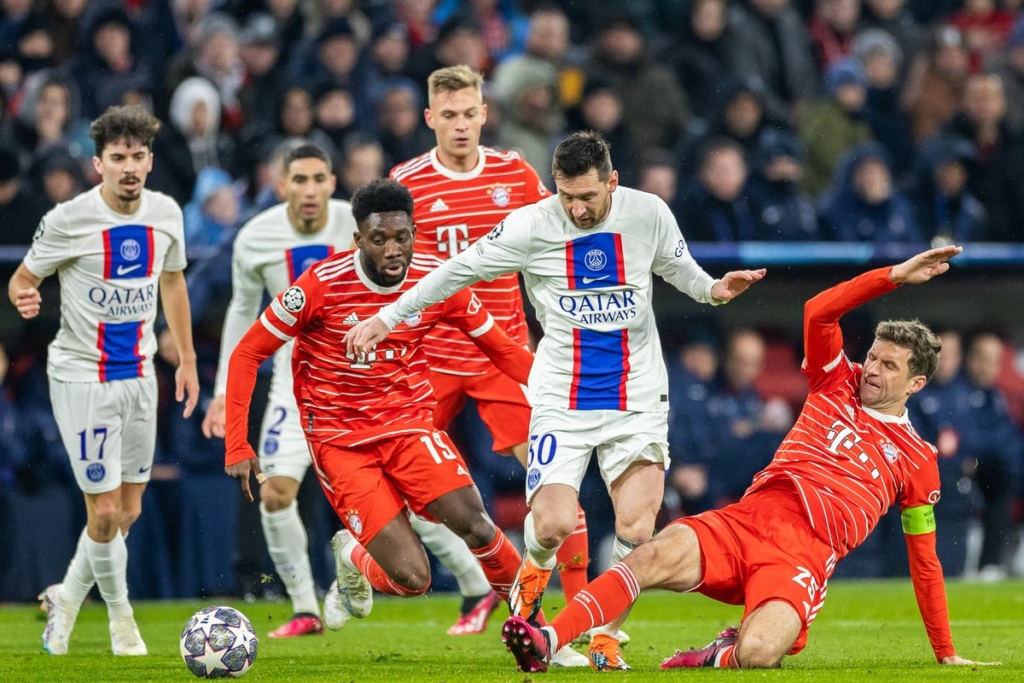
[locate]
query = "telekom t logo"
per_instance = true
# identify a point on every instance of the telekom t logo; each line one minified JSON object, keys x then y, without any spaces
{"x":451,"y":239}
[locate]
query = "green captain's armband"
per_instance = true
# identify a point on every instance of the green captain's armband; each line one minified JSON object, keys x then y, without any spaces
{"x":918,"y":520}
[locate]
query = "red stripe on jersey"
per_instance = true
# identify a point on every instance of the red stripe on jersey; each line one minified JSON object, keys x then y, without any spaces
{"x":452,"y":213}
{"x":570,"y":264}
{"x":108,"y":259}
{"x":101,"y":328}
{"x":151,"y":253}
{"x":577,"y":363}
{"x":620,"y":259}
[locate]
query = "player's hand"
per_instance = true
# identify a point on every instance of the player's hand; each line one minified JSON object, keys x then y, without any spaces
{"x":735,"y":283}
{"x":363,"y":336}
{"x":924,"y":266}
{"x":954,"y":660}
{"x":28,"y":302}
{"x":186,"y":381}
{"x":215,"y":422}
{"x":241,"y":470}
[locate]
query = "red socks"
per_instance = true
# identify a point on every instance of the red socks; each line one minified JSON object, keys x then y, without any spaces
{"x":500,"y":561}
{"x":573,"y":557}
{"x":600,"y":601}
{"x":377,"y":577}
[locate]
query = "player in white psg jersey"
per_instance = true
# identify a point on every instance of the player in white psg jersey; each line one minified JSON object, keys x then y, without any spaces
{"x":599,"y":380}
{"x":270,"y":252}
{"x":115,"y":248}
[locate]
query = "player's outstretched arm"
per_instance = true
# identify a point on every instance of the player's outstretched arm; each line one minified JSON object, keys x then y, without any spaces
{"x":735,"y":283}
{"x":923,"y":266}
{"x":174,"y":297}
{"x":23,"y":291}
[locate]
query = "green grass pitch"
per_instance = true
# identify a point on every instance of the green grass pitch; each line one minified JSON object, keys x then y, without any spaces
{"x":868,"y":631}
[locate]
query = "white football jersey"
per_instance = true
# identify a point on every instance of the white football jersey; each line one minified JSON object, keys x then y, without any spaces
{"x":592,"y":293}
{"x":269,"y":255}
{"x":109,"y":267}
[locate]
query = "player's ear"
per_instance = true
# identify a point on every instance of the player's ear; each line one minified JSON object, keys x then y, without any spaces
{"x":483,"y":114}
{"x":333,"y":182}
{"x":917,"y":383}
{"x":428,"y":116}
{"x":613,"y":181}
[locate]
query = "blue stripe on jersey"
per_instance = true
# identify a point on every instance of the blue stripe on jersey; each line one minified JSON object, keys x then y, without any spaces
{"x":119,"y":350}
{"x":601,"y":368}
{"x":128,"y":252}
{"x":596,"y":261}
{"x":300,"y":259}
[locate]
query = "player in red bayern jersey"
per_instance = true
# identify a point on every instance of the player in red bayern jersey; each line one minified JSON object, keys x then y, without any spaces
{"x":461,"y":191}
{"x":851,"y":455}
{"x":368,"y":418}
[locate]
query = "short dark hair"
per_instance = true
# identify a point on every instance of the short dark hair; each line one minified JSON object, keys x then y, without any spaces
{"x":379,"y":196}
{"x":308,"y":151}
{"x":581,"y":152}
{"x":913,"y":335}
{"x":128,"y":124}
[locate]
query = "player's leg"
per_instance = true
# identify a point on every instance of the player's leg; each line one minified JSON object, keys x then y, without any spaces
{"x":767,"y":635}
{"x":284,"y":458}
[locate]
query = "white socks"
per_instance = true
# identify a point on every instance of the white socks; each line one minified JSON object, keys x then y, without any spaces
{"x":542,"y":557}
{"x":288,"y":548}
{"x":78,"y":579}
{"x":453,"y":553}
{"x":110,"y":568}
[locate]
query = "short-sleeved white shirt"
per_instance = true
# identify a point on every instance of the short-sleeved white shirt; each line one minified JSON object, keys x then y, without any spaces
{"x":109,"y":266}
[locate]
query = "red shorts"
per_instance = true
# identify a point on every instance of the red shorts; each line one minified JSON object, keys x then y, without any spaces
{"x":370,"y":484}
{"x":499,"y":399}
{"x":760,"y":549}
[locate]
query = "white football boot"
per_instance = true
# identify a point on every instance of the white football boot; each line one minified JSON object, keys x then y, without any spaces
{"x":60,"y":620}
{"x":354,"y":590}
{"x":125,"y":639}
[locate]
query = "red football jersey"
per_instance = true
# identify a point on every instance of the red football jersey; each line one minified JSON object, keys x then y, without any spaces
{"x":453,"y":210}
{"x":848,"y":462}
{"x":348,"y":400}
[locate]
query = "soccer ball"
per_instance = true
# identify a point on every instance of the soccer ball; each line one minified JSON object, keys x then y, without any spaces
{"x":218,"y":642}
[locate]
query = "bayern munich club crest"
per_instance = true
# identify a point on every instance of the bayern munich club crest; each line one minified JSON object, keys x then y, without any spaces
{"x":130,"y":250}
{"x":414,"y":319}
{"x":355,"y":523}
{"x":294,"y":299}
{"x":890,"y":451}
{"x":595,"y":259}
{"x":500,"y":196}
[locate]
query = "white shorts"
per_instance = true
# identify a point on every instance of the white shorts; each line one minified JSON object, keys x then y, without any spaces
{"x":283,"y":448}
{"x":561,"y":441}
{"x":108,"y":430}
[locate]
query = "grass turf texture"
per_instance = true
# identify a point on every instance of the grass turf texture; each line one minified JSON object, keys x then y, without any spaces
{"x":868,"y":631}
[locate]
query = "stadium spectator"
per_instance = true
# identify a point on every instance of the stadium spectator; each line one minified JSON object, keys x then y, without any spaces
{"x":703,"y":54}
{"x":863,"y":204}
{"x":990,"y":441}
{"x":459,"y":41}
{"x":936,"y":413}
{"x":629,"y":424}
{"x":331,"y":59}
{"x":371,"y":473}
{"x":781,"y":208}
{"x":212,"y":214}
{"x":659,"y":175}
{"x":985,"y":27}
{"x":262,"y":56}
{"x":362,"y":160}
{"x":215,"y":56}
{"x":881,"y":60}
{"x":774,"y":46}
{"x":832,"y":29}
{"x":48,"y":118}
{"x":893,"y":17}
{"x":834,"y":124}
{"x":995,"y":179}
{"x":714,"y":206}
{"x":399,"y":117}
{"x":386,"y":56}
{"x":63,"y":22}
{"x":745,"y":553}
{"x":105,"y":387}
{"x":335,"y":113}
{"x":107,"y":53}
{"x":936,"y":83}
{"x":289,"y":19}
{"x":531,"y":114}
{"x":419,"y":24}
{"x":619,"y":55}
{"x":547,"y":42}
{"x":503,"y":28}
{"x":945,"y":209}
{"x":20,"y":207}
{"x":192,"y":142}
{"x":60,"y":177}
{"x":601,"y":110}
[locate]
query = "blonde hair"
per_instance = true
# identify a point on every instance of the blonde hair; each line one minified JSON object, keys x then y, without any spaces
{"x":923,"y":344}
{"x":452,"y":78}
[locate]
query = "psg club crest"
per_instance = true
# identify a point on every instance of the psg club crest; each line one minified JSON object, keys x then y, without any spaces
{"x":892,"y":453}
{"x":294,"y":299}
{"x":500,"y":196}
{"x":354,"y":523}
{"x":595,"y":259}
{"x":130,"y":250}
{"x":95,"y":472}
{"x":532,"y":479}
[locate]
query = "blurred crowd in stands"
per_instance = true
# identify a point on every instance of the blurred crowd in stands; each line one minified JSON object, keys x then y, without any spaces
{"x":798,"y":120}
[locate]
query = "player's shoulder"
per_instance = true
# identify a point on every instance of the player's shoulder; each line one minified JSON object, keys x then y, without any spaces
{"x":508,"y":156}
{"x":334,"y":267}
{"x":412,"y":167}
{"x":422,"y":264}
{"x":159,"y":201}
{"x":265,"y":222}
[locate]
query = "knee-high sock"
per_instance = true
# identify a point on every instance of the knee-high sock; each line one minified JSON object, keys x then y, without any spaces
{"x":620,"y":549}
{"x":110,"y":568}
{"x":375,"y":574}
{"x":78,"y":580}
{"x":289,"y":549}
{"x":500,"y":561}
{"x":573,"y":557}
{"x":453,"y":553}
{"x":542,"y":557}
{"x":599,"y":602}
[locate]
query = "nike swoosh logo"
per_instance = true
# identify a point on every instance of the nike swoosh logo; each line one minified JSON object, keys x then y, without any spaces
{"x":143,"y":470}
{"x":122,"y":270}
{"x":588,"y":280}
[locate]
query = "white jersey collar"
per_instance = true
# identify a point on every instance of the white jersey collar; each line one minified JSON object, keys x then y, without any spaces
{"x":455,"y":175}
{"x":357,"y":256}
{"x":883,"y":417}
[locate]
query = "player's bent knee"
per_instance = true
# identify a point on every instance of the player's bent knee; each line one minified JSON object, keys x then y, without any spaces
{"x":413,"y":580}
{"x":753,"y":651}
{"x":274,"y":500}
{"x":479,"y":533}
{"x":552,"y":530}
